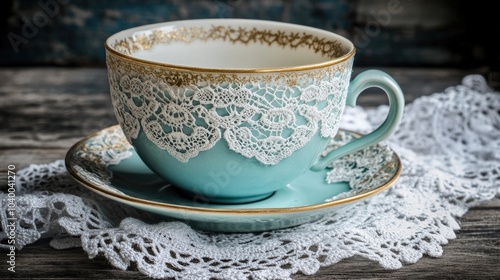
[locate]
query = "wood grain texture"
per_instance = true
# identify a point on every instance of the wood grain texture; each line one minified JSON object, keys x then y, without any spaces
{"x":46,"y":110}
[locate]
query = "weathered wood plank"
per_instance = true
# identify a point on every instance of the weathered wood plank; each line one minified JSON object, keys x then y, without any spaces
{"x":22,"y":158}
{"x":52,"y":117}
{"x":53,"y":79}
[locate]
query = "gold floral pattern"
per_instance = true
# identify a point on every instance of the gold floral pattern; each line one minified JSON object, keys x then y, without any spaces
{"x":327,"y":48}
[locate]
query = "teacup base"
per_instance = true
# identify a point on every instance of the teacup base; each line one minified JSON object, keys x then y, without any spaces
{"x":203,"y":199}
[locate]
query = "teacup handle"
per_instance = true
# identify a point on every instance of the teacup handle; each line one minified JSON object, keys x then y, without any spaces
{"x":364,"y":80}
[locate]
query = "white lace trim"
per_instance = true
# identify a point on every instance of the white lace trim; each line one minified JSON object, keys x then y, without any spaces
{"x":450,"y":148}
{"x":267,"y":121}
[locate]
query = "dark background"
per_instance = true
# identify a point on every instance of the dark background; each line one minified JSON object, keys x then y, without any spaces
{"x":425,"y":33}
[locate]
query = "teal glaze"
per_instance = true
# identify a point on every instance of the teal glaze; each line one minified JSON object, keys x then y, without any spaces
{"x":223,"y":176}
{"x":367,"y":79}
{"x":154,"y":188}
{"x":134,"y":172}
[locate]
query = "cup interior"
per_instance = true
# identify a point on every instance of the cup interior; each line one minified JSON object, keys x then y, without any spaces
{"x":226,"y":44}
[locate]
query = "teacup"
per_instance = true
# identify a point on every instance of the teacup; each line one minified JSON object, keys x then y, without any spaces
{"x":231,"y":110}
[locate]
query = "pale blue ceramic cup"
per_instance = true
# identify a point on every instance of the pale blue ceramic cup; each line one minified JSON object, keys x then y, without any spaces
{"x":231,"y":110}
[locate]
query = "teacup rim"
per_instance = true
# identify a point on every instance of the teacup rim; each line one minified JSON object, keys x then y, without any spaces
{"x":330,"y":62}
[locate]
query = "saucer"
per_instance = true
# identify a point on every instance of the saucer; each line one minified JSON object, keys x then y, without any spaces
{"x":107,"y":164}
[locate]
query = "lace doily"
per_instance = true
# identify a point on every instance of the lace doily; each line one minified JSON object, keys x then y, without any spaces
{"x":449,"y":144}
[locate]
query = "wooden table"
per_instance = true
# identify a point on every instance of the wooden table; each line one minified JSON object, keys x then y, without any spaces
{"x":43,"y":111}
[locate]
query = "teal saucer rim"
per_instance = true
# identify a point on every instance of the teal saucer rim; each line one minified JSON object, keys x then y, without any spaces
{"x":192,"y":209}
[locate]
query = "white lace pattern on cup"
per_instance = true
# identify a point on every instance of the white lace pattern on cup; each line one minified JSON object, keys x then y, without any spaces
{"x":265,"y":120}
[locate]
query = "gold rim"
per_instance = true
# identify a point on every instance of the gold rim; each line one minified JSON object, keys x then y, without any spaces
{"x":232,"y":70}
{"x":327,"y":63}
{"x":193,"y":209}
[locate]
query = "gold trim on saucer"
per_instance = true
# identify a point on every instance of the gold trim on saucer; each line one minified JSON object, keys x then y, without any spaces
{"x":394,"y":164}
{"x":293,"y":40}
